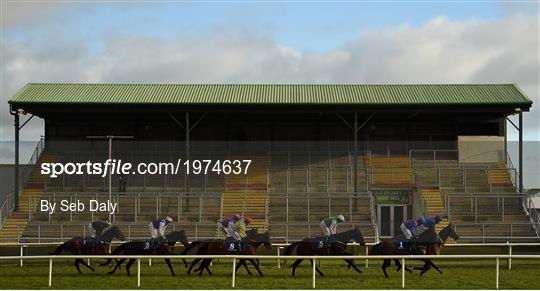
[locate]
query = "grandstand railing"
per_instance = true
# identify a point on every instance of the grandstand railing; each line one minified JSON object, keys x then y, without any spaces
{"x":434,"y":156}
{"x":70,"y":230}
{"x":464,"y":171}
{"x":234,"y":258}
{"x":532,"y":211}
{"x":7,"y":207}
{"x":473,"y":204}
{"x":373,"y":215}
{"x":484,"y":226}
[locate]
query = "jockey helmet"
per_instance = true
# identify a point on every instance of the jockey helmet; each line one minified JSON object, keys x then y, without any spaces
{"x":340,"y":218}
{"x":247,"y":219}
{"x":168,"y":219}
{"x":107,"y":222}
{"x":437,"y":218}
{"x":236,"y":217}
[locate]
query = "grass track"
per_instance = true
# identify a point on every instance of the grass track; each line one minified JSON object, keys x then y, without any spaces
{"x":457,"y":275}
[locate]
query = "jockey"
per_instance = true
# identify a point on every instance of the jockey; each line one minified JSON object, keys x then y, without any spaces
{"x":239,"y":229}
{"x":409,"y":228}
{"x":97,"y":228}
{"x":157,"y":228}
{"x":226,"y":225}
{"x":329,"y":225}
{"x":429,"y":222}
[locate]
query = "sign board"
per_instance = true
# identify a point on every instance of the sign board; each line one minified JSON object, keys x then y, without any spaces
{"x":392,"y":196}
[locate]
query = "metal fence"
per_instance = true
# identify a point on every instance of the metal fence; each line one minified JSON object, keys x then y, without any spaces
{"x":6,"y":208}
{"x":234,"y":258}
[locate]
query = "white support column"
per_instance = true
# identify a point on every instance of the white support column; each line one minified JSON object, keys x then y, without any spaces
{"x":22,"y":254}
{"x":234,"y":273}
{"x":139,"y":272}
{"x":497,"y":275}
{"x":50,"y":272}
{"x":403,"y":273}
{"x":314,"y":267}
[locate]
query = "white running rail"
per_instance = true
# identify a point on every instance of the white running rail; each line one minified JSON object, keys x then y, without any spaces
{"x":497,"y":259}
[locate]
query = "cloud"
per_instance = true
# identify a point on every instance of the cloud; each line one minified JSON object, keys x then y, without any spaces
{"x":440,"y":51}
{"x":14,"y":13}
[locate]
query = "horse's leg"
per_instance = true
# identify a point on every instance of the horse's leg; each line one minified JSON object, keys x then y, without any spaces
{"x":193,"y":263}
{"x":295,"y":264}
{"x":425,"y":268}
{"x":243,"y":262}
{"x":398,"y":265}
{"x":168,"y":261}
{"x":434,"y":266}
{"x":118,"y":263}
{"x":316,"y":268}
{"x":256,"y":264}
{"x":77,"y":265}
{"x":385,"y":265}
{"x":86,"y":265}
{"x":201,"y":265}
{"x":207,"y":267}
{"x":351,"y":264}
{"x":131,"y":261}
{"x":205,"y":263}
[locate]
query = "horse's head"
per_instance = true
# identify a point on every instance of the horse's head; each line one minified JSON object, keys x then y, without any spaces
{"x":358,"y":237}
{"x":113,"y":232}
{"x":257,"y":238}
{"x":449,"y":231}
{"x":265,"y":239}
{"x":252,"y":233}
{"x":178,"y":236}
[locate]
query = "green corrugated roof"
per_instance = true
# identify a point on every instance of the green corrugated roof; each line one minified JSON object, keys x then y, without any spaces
{"x":432,"y":94}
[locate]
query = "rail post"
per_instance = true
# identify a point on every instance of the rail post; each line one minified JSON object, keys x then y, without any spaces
{"x":367,"y":253}
{"x":50,"y":272}
{"x":497,"y":274}
{"x":402,"y":272}
{"x":510,"y":258}
{"x":138,"y":272}
{"x":278,"y":260}
{"x":233,"y":272}
{"x":21,"y":251}
{"x":314,"y":267}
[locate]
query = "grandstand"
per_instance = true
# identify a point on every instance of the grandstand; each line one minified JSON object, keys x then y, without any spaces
{"x":378,"y":154}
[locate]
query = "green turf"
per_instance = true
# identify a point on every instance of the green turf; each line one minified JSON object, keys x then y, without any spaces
{"x":470,"y":275}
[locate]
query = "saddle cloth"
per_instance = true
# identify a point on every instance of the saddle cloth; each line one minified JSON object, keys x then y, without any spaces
{"x":90,"y":242}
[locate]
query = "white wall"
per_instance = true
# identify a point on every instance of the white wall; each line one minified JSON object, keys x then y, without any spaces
{"x":481,"y":149}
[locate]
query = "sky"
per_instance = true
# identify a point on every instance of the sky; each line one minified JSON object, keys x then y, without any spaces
{"x":269,"y":42}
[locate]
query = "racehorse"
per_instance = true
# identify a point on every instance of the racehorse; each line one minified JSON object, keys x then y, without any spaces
{"x":428,"y":239}
{"x":220,"y":247}
{"x":318,"y":246}
{"x":435,"y":248}
{"x":90,"y":246}
{"x":146,"y":248}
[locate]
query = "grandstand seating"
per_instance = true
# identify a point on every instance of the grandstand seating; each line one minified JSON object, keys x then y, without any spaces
{"x":390,"y":171}
{"x":287,"y":193}
{"x":246,"y":193}
{"x":477,"y":181}
{"x":16,"y":223}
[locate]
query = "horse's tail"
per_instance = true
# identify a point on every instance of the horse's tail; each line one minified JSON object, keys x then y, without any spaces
{"x":376,"y":249}
{"x":290,"y":248}
{"x":60,"y":248}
